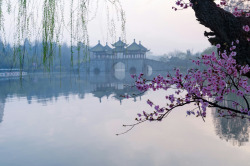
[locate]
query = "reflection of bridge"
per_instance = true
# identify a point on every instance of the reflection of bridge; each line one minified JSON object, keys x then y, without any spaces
{"x":42,"y":88}
{"x":127,"y":65}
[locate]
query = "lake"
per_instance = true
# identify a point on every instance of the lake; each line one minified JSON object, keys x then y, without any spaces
{"x":70,"y":119}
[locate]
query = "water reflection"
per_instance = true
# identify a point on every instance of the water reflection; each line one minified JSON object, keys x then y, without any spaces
{"x":234,"y":130}
{"x":70,"y":119}
{"x":43,"y":88}
{"x":1,"y":111}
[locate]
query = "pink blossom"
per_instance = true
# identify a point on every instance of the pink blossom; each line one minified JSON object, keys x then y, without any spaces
{"x":149,"y":103}
{"x":157,"y":107}
{"x":221,"y":77}
{"x":218,"y":45}
{"x":246,"y":28}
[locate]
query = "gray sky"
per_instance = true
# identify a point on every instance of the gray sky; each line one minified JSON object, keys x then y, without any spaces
{"x":153,"y":22}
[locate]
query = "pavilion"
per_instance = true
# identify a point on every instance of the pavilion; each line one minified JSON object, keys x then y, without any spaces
{"x":120,"y":50}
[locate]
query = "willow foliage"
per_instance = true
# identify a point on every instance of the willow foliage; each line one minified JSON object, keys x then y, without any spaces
{"x":48,"y":20}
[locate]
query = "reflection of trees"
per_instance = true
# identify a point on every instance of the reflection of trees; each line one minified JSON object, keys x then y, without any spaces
{"x":43,"y":87}
{"x":235,"y":130}
{"x":1,"y":111}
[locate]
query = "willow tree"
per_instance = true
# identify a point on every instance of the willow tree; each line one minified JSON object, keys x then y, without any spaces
{"x":48,"y":20}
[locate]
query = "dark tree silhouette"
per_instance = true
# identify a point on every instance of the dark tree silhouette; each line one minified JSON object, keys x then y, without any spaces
{"x":225,"y":28}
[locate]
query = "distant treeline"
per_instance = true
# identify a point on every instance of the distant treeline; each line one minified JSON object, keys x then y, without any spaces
{"x":181,"y":60}
{"x":30,"y":56}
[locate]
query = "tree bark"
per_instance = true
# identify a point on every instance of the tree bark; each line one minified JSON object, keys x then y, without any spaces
{"x":225,"y":28}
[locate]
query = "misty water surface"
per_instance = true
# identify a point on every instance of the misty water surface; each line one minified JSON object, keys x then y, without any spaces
{"x":62,"y":119}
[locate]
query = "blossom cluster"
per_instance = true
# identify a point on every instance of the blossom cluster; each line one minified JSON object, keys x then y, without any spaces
{"x":246,"y":28}
{"x":207,"y":87}
{"x":240,"y":12}
{"x":182,"y":5}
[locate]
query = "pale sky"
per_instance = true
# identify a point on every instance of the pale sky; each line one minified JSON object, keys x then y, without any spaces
{"x":157,"y":26}
{"x":153,"y":22}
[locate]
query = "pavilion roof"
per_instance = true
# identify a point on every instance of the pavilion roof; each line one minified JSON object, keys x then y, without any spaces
{"x":142,"y":47}
{"x":134,"y":47}
{"x":107,"y":48}
{"x":98,"y":48}
{"x":119,"y":43}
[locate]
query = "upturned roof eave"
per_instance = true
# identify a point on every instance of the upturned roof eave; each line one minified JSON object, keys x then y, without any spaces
{"x":97,"y":48}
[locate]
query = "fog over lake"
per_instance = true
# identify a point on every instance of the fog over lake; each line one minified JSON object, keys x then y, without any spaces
{"x":71,"y":119}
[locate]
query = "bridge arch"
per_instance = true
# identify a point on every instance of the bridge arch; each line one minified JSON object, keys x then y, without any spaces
{"x":119,"y":69}
{"x":149,"y":70}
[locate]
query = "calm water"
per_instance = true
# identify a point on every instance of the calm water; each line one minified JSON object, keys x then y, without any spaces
{"x":71,"y":120}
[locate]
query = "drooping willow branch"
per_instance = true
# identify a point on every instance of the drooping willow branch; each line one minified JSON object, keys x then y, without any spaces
{"x":48,"y":20}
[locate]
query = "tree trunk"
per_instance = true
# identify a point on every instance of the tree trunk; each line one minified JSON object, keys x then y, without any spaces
{"x":225,"y":28}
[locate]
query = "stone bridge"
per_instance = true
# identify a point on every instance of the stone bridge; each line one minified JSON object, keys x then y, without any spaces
{"x":131,"y":66}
